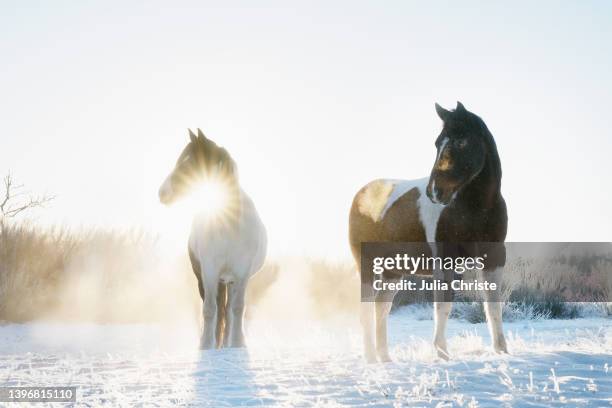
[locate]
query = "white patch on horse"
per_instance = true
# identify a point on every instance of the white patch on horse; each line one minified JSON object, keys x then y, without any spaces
{"x":374,"y":198}
{"x":401,"y":187}
{"x":429,"y":215}
{"x":434,"y":193}
{"x":442,"y":147}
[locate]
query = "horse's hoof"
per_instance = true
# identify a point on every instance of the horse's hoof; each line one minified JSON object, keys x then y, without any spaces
{"x":385,"y":358}
{"x":441,"y":349}
{"x":501,"y":347}
{"x":370,"y":359}
{"x":237,"y":346}
{"x":443,"y":354}
{"x":204,"y":346}
{"x":501,"y":350}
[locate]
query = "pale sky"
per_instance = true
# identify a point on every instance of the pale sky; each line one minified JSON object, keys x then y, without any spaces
{"x":312,"y":99}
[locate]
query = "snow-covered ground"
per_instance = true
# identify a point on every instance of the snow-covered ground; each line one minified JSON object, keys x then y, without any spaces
{"x":295,"y":363}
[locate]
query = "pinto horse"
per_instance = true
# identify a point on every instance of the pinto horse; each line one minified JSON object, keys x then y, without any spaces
{"x":461,"y":201}
{"x":225,"y":249}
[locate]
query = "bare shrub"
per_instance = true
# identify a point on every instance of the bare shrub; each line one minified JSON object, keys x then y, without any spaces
{"x":100,"y":275}
{"x":334,"y":286}
{"x":124,"y":276}
{"x":15,"y":200}
{"x":94,"y":275}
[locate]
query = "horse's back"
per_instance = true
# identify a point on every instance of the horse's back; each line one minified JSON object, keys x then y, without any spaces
{"x":392,"y":211}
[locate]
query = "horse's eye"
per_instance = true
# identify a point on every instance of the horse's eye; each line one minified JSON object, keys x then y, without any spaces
{"x":461,"y":143}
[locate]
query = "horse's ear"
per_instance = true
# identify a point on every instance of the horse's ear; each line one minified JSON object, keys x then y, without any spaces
{"x":201,"y":134}
{"x":460,"y":108}
{"x":192,"y":135}
{"x":442,"y":113}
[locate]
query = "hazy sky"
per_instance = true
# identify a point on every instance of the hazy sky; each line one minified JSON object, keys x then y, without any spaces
{"x":312,"y":99}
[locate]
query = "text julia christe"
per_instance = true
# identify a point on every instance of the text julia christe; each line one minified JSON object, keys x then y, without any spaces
{"x":435,"y":284}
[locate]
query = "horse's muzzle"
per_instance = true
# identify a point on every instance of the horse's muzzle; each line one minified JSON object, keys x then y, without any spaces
{"x":438,"y":195}
{"x":166,"y":195}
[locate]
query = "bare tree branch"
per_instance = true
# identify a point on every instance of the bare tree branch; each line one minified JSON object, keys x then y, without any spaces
{"x":15,"y":200}
{"x":8,"y":183}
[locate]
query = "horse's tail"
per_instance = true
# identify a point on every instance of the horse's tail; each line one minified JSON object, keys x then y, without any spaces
{"x":221,"y":313}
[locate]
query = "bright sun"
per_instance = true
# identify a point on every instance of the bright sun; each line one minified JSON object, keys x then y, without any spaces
{"x":209,"y":197}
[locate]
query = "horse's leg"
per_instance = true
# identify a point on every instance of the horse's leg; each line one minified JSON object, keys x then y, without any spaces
{"x":236,"y":304}
{"x":367,"y":315}
{"x":367,"y":324}
{"x":221,"y":312}
{"x":442,"y":308}
{"x":493,"y":312}
{"x":441,"y":312}
{"x":197,"y":271}
{"x":209,"y":338}
{"x":382,"y":348}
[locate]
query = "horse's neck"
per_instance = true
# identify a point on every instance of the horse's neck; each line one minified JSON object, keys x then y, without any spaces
{"x":484,"y":192}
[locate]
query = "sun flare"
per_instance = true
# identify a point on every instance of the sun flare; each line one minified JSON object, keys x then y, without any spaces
{"x":209,"y":197}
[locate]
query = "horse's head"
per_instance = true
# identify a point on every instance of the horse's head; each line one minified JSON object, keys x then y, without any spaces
{"x":201,"y":163}
{"x":461,"y":153}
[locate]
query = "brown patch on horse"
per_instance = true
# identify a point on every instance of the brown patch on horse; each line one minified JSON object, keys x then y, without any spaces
{"x":400,"y":223}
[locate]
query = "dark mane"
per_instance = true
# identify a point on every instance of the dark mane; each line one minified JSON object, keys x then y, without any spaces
{"x":488,"y":181}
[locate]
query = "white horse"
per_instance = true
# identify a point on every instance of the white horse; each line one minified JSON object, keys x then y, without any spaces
{"x":226,"y":248}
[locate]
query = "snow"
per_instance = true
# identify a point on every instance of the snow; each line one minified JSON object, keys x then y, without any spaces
{"x":297,"y":363}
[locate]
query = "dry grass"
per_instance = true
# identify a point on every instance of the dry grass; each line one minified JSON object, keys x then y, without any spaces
{"x":101,"y":275}
{"x":94,"y":275}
